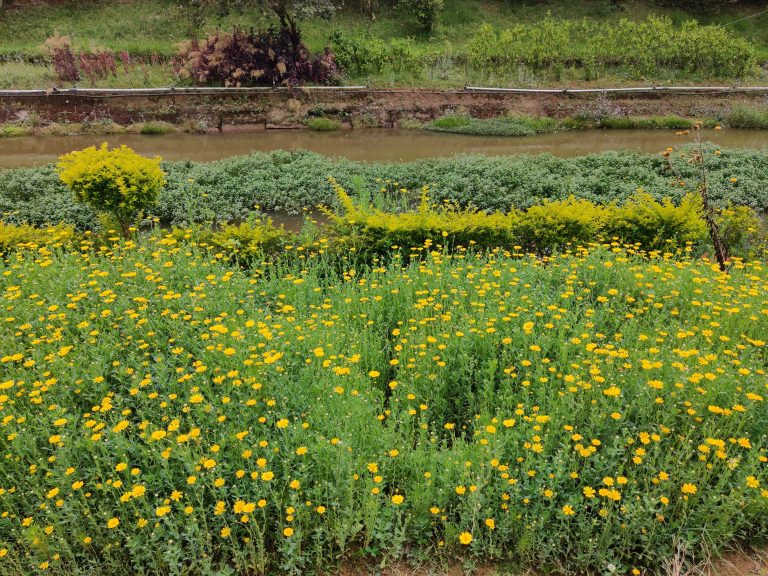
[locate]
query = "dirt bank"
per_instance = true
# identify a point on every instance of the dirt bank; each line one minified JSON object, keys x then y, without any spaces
{"x":283,"y":108}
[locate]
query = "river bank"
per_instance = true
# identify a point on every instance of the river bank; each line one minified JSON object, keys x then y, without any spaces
{"x":203,"y":110}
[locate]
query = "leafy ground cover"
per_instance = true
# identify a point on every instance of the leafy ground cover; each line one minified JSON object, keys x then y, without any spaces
{"x":292,"y":182}
{"x":164,"y":411}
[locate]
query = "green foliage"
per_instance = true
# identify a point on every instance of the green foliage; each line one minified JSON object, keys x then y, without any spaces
{"x":19,"y":237}
{"x":323,"y":124}
{"x":361,"y":54}
{"x":747,"y":117}
{"x":552,"y":226}
{"x":10,"y":130}
{"x":156,"y":128}
{"x":116,"y":181}
{"x":575,"y":412}
{"x":639,"y":48}
{"x":427,"y":12}
{"x":227,"y":191}
{"x":744,"y":232}
{"x":243,"y":242}
{"x":504,"y":126}
{"x":654,"y":122}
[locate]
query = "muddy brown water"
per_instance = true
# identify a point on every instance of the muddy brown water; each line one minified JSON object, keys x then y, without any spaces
{"x":374,"y":144}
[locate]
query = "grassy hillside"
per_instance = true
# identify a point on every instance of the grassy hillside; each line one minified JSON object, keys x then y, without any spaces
{"x":156,"y":27}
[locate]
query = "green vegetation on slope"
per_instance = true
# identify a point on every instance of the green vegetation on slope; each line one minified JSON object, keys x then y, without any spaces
{"x":398,"y":52}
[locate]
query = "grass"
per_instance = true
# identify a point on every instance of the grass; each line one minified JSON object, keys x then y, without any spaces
{"x":156,"y":128}
{"x":503,"y":126}
{"x":748,"y":117}
{"x":157,"y":26}
{"x":167,"y":411}
{"x":323,"y":124}
{"x":742,"y":117}
{"x":11,"y":130}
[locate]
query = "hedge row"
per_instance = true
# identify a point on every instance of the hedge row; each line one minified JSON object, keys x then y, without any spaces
{"x":290,"y":182}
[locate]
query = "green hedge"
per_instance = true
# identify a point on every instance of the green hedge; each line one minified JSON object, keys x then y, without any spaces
{"x":290,"y":182}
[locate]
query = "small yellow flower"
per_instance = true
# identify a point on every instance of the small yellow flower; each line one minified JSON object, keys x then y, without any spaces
{"x":113,"y":523}
{"x":465,"y":538}
{"x":397,"y":499}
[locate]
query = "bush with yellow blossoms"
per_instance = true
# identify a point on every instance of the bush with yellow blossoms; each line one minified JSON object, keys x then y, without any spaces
{"x":116,"y":181}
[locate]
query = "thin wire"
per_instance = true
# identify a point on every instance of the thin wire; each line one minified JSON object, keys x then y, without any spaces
{"x":746,"y":18}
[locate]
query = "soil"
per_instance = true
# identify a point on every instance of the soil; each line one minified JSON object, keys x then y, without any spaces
{"x":744,"y":563}
{"x":281,"y":108}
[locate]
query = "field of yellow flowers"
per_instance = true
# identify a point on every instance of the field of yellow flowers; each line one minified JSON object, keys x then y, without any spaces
{"x":163,"y":411}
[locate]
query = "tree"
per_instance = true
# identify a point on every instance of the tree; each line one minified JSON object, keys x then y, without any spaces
{"x":426,"y":11}
{"x":118,"y":182}
{"x":288,"y":12}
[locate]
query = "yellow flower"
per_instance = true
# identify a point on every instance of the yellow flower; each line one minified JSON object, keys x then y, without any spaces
{"x":288,"y":532}
{"x":226,"y":531}
{"x":113,"y":523}
{"x":689,"y":489}
{"x":568,"y":510}
{"x":397,"y":499}
{"x":465,"y":538}
{"x":490,"y":523}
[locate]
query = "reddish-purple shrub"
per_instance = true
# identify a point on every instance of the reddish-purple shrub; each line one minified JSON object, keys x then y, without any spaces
{"x":97,"y":65}
{"x":274,"y":57}
{"x":65,"y":64}
{"x":125,"y":58}
{"x":59,"y":49}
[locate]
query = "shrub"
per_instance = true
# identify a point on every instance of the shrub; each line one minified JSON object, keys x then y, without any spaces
{"x":426,"y":12}
{"x":71,"y":66}
{"x":657,"y":225}
{"x":744,"y":232}
{"x":323,"y":124}
{"x":255,"y":237}
{"x":541,"y":229}
{"x":59,"y":49}
{"x":19,"y":237}
{"x":364,"y":54}
{"x":118,"y":181}
{"x":227,"y":190}
{"x":639,"y":47}
{"x":249,"y":58}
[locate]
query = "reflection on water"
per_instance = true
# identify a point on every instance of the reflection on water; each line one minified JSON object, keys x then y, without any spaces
{"x":374,"y":144}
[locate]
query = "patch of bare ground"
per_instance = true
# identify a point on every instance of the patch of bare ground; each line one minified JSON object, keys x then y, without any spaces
{"x":743,"y":563}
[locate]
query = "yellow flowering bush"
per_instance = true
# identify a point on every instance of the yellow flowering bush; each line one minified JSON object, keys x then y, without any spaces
{"x":117,"y":181}
{"x":541,"y":229}
{"x":242,"y":241}
{"x":16,"y":237}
